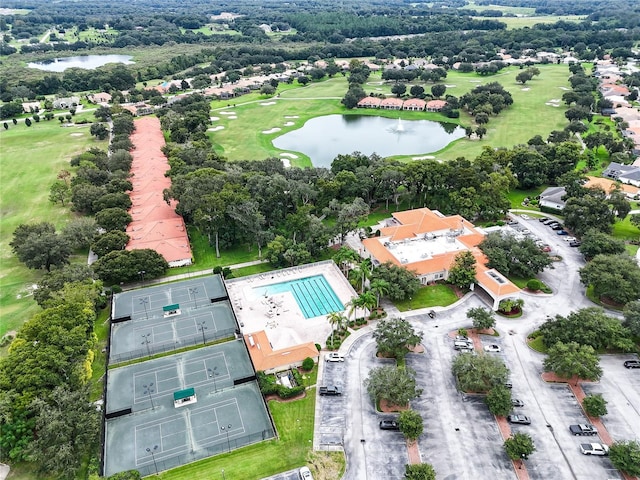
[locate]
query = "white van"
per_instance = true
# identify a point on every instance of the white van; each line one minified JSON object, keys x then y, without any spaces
{"x":462,"y":345}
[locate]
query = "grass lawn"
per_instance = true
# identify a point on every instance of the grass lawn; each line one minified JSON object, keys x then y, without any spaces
{"x":528,"y":22}
{"x":537,"y":345}
{"x":624,"y":230}
{"x":438,"y":295}
{"x":294,"y":423}
{"x":30,"y":159}
{"x":242,"y":137}
{"x":516,"y":197}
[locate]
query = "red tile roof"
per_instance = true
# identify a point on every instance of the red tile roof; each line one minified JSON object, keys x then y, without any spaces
{"x":155,"y":223}
{"x":264,"y":358}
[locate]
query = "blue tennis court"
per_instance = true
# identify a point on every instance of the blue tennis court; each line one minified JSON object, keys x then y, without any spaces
{"x":313,"y":295}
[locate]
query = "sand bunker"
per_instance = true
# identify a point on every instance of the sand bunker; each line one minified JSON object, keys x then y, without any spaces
{"x":214,"y":119}
{"x":288,"y":124}
{"x":526,"y":89}
{"x":424,"y":157}
{"x":227,"y":113}
{"x":564,"y":88}
{"x":232,"y":117}
{"x":215,"y":129}
{"x":286,"y":163}
{"x":76,"y":134}
{"x":272,"y":130}
{"x":450,"y":86}
{"x":291,"y":116}
{"x":289,"y":155}
{"x":267,"y":103}
{"x":475,"y":81}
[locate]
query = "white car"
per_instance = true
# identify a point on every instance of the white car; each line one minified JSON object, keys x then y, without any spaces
{"x":305,"y":473}
{"x":569,"y":239}
{"x":334,"y":357}
{"x":492,"y":348}
{"x":525,"y":216}
{"x":594,"y":449}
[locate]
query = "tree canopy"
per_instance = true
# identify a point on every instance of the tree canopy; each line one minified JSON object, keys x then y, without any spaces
{"x":511,"y":256}
{"x":568,"y":360}
{"x":479,"y":373}
{"x":395,"y":385}
{"x":394,"y":336}
{"x":613,"y":277}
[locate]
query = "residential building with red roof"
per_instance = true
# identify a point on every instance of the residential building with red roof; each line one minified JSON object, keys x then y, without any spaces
{"x":369,"y":102}
{"x":427,"y":243}
{"x":414,"y":104}
{"x":435,"y":105}
{"x":391,"y":103}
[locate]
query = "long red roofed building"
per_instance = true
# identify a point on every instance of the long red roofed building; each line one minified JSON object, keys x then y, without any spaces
{"x":155,"y":223}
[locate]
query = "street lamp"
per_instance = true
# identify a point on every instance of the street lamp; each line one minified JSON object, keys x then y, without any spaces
{"x":152,"y":452}
{"x":213,"y":374}
{"x":143,"y":302}
{"x":141,"y":273}
{"x":146,"y":341}
{"x":226,"y":430}
{"x":202,"y":326}
{"x":148,"y":390}
{"x":194,"y":291}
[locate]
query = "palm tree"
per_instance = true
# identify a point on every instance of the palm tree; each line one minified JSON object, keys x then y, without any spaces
{"x":344,"y":257}
{"x":379,"y":287}
{"x":336,"y":319}
{"x":368,"y":300}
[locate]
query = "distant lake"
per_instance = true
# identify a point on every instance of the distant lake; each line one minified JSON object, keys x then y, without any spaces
{"x":324,"y":138}
{"x":88,"y":62}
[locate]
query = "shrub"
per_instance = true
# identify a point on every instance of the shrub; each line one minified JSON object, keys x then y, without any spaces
{"x":116,"y":289}
{"x":534,"y":285}
{"x":267,"y":383}
{"x":595,"y":405}
{"x":284,"y":392}
{"x":463,"y":332}
{"x":307,"y":364}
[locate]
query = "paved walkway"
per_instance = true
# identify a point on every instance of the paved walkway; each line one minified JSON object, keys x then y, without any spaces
{"x":184,"y":276}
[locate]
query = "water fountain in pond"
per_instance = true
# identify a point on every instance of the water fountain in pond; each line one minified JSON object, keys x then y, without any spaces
{"x":399,"y":127}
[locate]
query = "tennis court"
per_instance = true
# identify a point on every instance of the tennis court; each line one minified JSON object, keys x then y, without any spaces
{"x":144,"y":429}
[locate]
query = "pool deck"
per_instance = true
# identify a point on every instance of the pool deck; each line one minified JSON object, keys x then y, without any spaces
{"x":279,"y":314}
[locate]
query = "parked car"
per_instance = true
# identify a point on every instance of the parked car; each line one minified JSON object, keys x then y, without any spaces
{"x":517,"y":403}
{"x":389,"y":425}
{"x":520,"y":419}
{"x":549,"y":221}
{"x":305,"y":473}
{"x":331,"y":391}
{"x":525,"y":216}
{"x":543,"y":219}
{"x":462,"y":344}
{"x":575,"y":243}
{"x":557,"y":227}
{"x":334,"y":357}
{"x":465,"y":350}
{"x":594,"y":449}
{"x":461,"y":338}
{"x":492,"y":348}
{"x":632,"y":364}
{"x":583,"y":429}
{"x":508,"y":385}
{"x":546,"y":248}
{"x":562,"y":232}
{"x":569,"y":239}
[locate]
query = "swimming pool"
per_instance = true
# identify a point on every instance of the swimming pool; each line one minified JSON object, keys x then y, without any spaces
{"x":313,"y":295}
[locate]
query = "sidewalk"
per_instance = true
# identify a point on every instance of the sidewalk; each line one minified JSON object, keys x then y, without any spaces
{"x":184,"y":276}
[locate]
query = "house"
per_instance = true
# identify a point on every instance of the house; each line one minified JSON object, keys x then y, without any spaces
{"x":435,"y":105}
{"x":552,"y":198}
{"x":426,"y":242}
{"x":414,"y":104}
{"x":391,"y":103}
{"x":102,"y":97}
{"x":31,"y":107}
{"x":63,"y":103}
{"x":628,"y":174}
{"x":369,"y":102}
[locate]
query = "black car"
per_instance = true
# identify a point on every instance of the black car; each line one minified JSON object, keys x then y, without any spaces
{"x":632,"y":364}
{"x":330,"y":391}
{"x":520,"y":419}
{"x":517,"y":403}
{"x":389,"y":425}
{"x":551,"y":223}
{"x":557,"y":227}
{"x":543,"y":219}
{"x":574,"y":243}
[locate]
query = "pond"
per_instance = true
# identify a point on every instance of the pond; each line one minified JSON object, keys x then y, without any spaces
{"x":324,"y":138}
{"x":88,"y":62}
